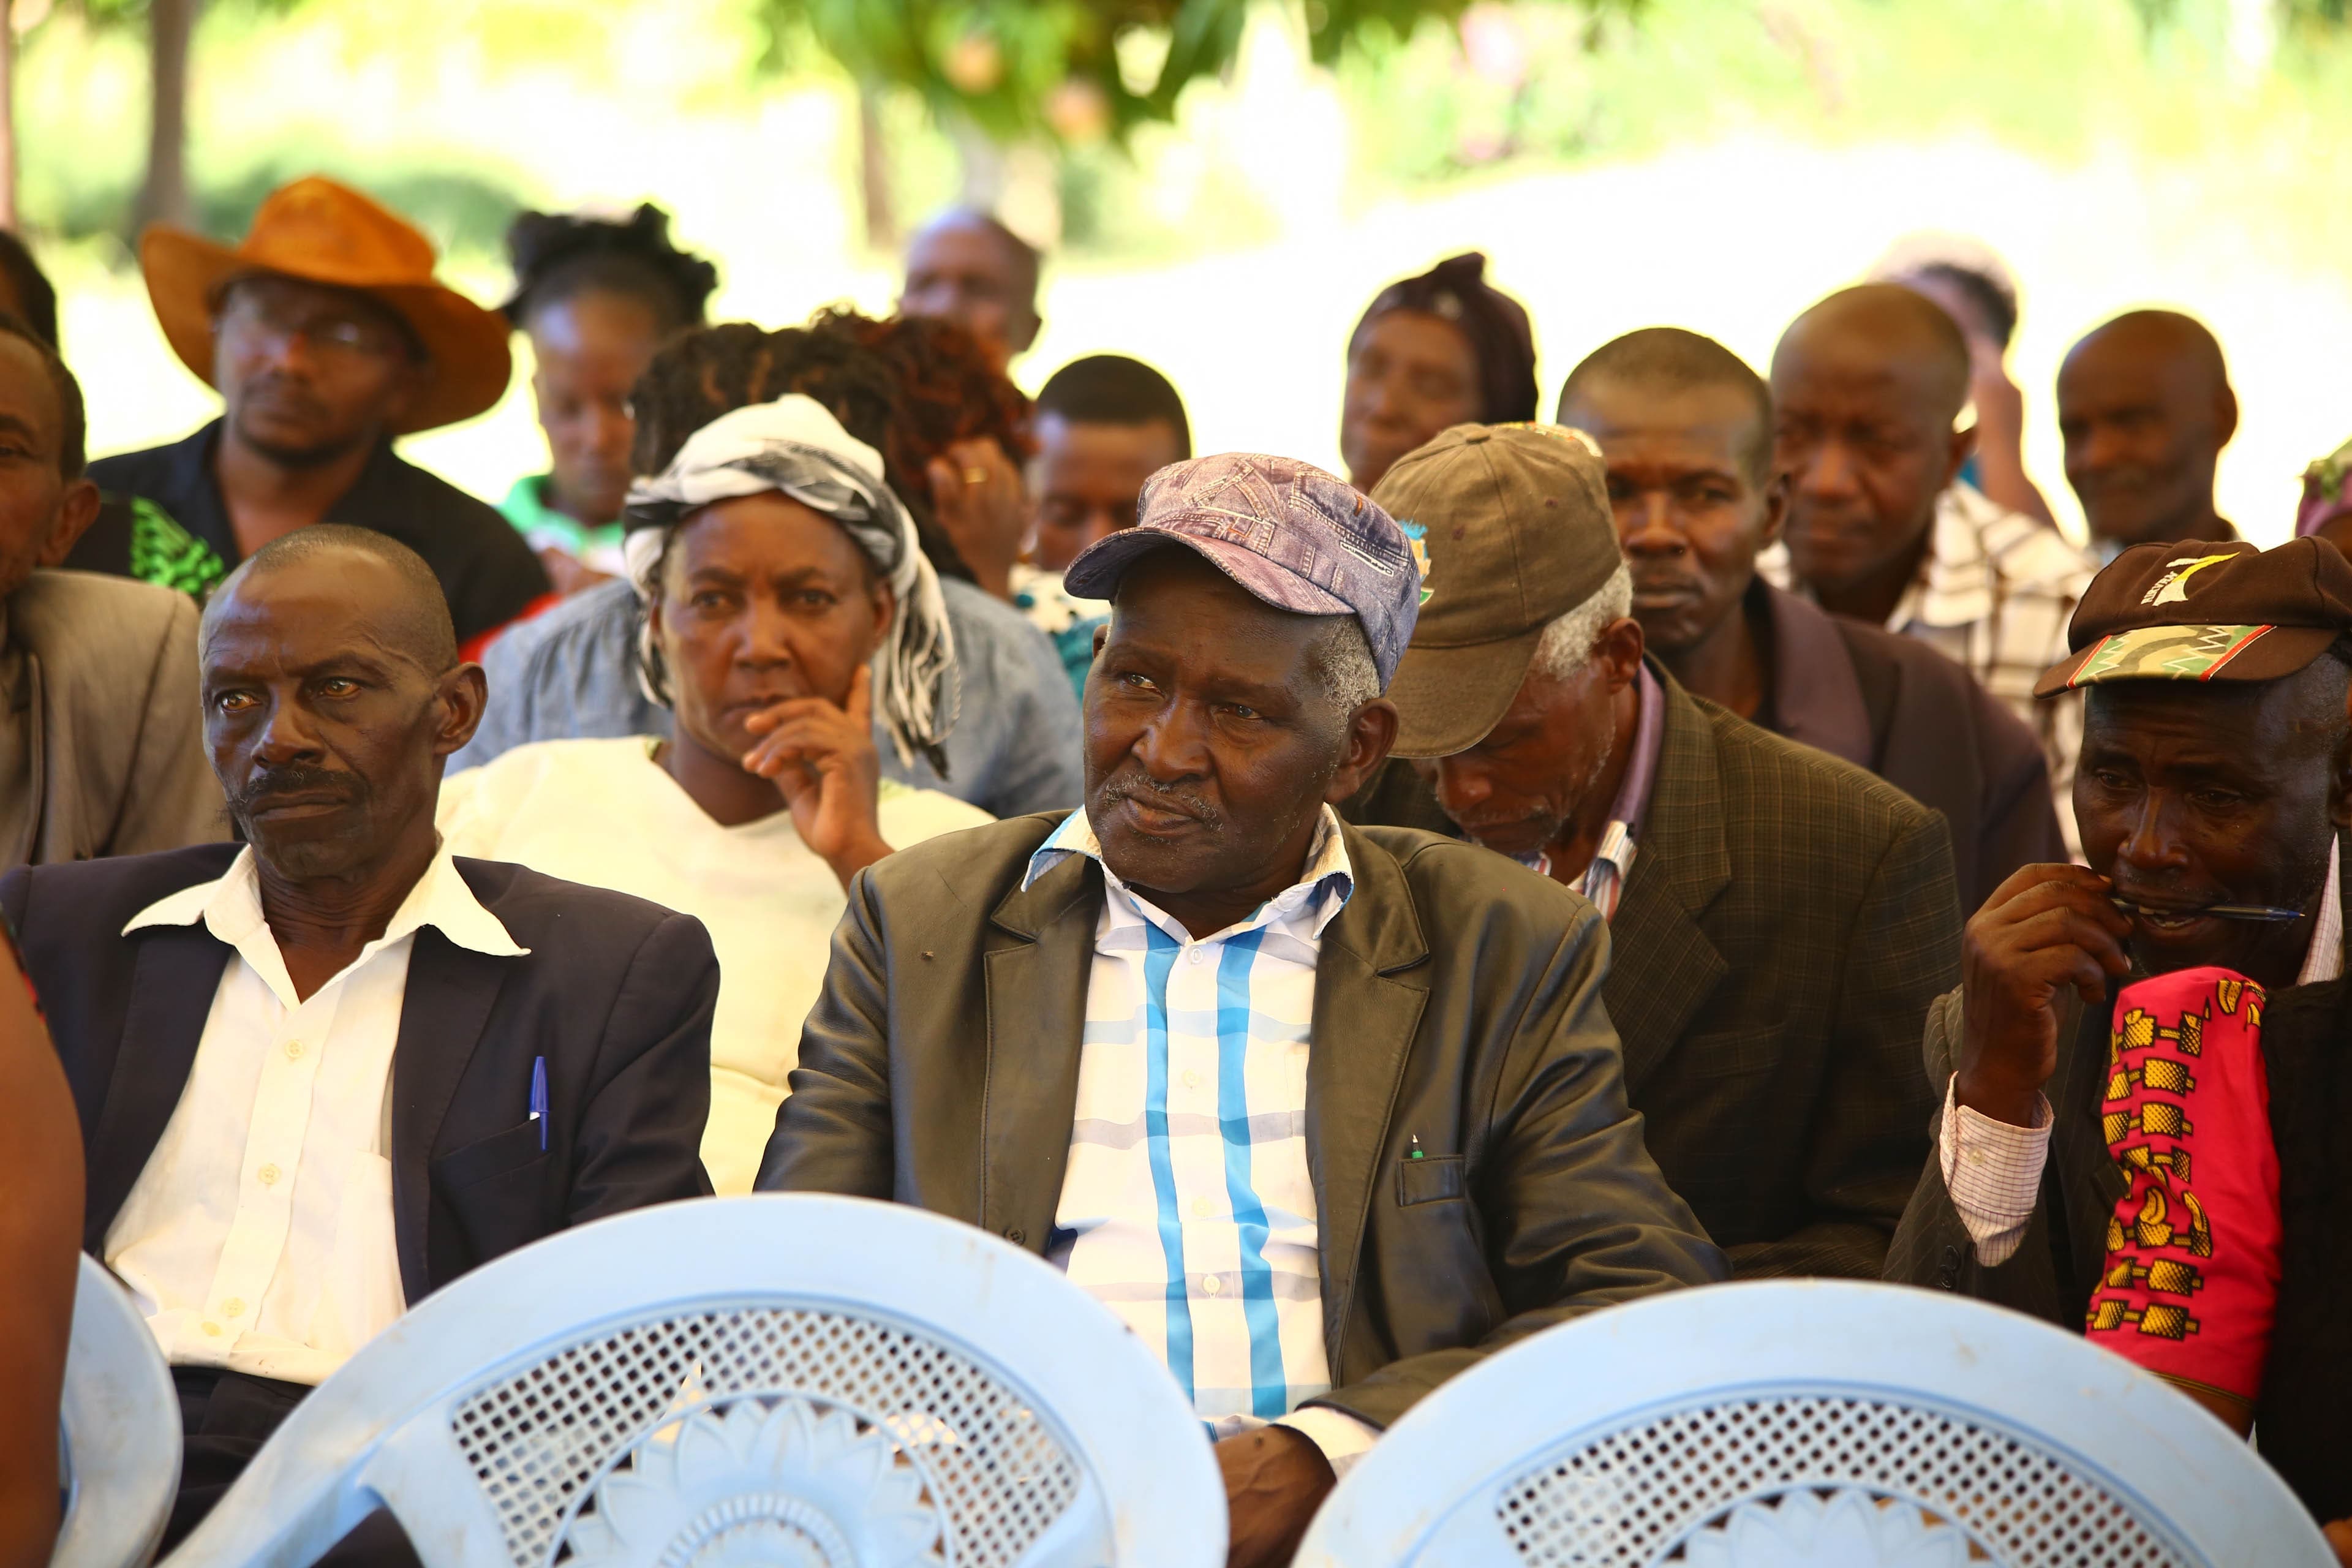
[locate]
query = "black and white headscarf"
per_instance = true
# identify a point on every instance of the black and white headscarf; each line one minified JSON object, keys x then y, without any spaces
{"x":796,"y":447}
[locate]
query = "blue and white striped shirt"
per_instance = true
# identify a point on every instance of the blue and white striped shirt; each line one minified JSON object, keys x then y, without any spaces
{"x":1188,"y":1208}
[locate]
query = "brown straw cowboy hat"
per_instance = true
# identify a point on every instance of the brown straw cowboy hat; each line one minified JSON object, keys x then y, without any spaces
{"x":321,"y":232}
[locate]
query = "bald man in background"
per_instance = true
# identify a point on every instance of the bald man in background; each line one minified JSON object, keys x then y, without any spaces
{"x":2144,"y":406}
{"x":1867,"y":388}
{"x":967,"y":268}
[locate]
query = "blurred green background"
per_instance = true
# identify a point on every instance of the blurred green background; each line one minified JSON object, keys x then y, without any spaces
{"x":1223,"y":184}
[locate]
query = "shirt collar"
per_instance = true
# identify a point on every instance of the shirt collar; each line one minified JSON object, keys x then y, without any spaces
{"x":198,"y":504}
{"x":1955,"y":584}
{"x":229,"y":906}
{"x":2325,"y":960}
{"x":1632,"y":802}
{"x":1328,"y":869}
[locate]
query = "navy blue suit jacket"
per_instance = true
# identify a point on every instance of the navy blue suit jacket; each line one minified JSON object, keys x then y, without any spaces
{"x":616,"y":993}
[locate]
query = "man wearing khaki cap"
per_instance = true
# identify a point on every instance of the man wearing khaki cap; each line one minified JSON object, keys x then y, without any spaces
{"x":1779,"y":920}
{"x":1324,"y":1114}
{"x":326,"y":335}
{"x":2215,"y":784}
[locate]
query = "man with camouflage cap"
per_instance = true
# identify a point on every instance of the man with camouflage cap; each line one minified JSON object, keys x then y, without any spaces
{"x":2215,"y":784}
{"x":1779,"y":921}
{"x":1323,"y":1113}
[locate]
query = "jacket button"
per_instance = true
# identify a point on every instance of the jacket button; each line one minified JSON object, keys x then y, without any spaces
{"x":1949,"y":1276}
{"x":1017,"y":1237}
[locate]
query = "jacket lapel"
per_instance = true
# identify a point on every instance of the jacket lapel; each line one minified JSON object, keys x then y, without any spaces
{"x":450,"y":991}
{"x":1363,"y":1028}
{"x":1664,"y":969}
{"x":31,"y":720}
{"x":171,"y":986}
{"x":1036,"y":1025}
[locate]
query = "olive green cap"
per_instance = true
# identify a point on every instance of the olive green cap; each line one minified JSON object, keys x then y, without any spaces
{"x":1513,"y":529}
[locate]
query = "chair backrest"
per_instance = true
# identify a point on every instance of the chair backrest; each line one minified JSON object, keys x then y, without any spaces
{"x":1810,"y":1421}
{"x":778,"y":1379}
{"x":119,"y":1431}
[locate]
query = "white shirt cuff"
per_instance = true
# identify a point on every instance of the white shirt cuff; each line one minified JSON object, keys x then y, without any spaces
{"x":1342,"y":1438}
{"x":1993,"y":1172}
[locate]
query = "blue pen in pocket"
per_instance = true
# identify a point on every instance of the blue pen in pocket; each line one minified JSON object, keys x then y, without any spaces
{"x":539,"y":1098}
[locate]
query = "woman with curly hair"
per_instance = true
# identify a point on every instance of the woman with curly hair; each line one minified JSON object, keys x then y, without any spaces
{"x":595,"y":298}
{"x":922,"y":396}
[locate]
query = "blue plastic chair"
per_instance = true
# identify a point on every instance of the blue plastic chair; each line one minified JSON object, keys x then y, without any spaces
{"x":771,"y":1379}
{"x":119,"y":1431}
{"x":1827,"y":1422}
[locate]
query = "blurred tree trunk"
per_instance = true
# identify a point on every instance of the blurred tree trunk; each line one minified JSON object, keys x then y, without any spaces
{"x":980,"y":163}
{"x":7,"y":122}
{"x":874,"y":172}
{"x":164,"y":198}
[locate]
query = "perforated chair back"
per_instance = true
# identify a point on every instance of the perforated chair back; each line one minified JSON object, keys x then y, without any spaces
{"x":119,"y":1432}
{"x":1816,"y":1422}
{"x":792,"y":1382}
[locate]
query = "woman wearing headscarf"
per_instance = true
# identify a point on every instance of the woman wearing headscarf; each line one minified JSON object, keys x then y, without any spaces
{"x":787,"y":607}
{"x":1443,"y":349}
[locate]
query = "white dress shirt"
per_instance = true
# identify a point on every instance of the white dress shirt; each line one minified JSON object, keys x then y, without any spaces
{"x":1188,"y":1207}
{"x":1993,"y":1169}
{"x":260,"y":1237}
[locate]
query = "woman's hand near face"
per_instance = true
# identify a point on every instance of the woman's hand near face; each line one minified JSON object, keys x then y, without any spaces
{"x":821,"y":759}
{"x":981,"y":506}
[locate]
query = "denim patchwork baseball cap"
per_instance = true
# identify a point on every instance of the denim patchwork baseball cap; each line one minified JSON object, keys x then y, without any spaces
{"x":1291,"y":534}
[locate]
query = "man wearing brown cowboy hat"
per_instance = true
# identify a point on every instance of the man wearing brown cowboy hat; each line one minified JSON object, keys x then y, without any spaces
{"x":327,"y":336}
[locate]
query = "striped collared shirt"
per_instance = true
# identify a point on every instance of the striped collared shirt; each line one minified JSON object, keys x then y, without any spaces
{"x":1994,"y":593}
{"x":1188,"y":1208}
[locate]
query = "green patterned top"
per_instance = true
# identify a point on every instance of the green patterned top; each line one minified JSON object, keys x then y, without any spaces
{"x":164,"y":553}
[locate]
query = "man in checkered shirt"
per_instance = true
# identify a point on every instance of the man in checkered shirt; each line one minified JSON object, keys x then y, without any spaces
{"x":1867,"y":388}
{"x":1324,"y":1114}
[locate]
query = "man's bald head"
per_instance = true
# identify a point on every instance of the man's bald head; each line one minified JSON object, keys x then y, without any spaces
{"x":1866,"y":387}
{"x":2144,"y":406}
{"x":332,"y":695}
{"x":967,"y":268}
{"x":409,"y":606}
{"x":1906,"y":338}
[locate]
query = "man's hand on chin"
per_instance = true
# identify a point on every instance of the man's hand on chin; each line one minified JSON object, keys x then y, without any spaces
{"x":1274,"y":1480}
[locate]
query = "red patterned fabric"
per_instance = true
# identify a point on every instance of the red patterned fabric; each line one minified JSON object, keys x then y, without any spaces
{"x":2192,"y":1271}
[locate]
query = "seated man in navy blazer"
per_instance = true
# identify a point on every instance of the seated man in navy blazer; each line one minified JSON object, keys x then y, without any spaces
{"x":323,"y":1074}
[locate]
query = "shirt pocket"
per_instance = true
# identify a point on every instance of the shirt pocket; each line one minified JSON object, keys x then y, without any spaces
{"x":1432,"y":1178}
{"x":495,"y":1188}
{"x":486,"y":1158}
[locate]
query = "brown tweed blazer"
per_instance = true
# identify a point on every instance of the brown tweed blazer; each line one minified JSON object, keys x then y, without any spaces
{"x":1788,"y":923}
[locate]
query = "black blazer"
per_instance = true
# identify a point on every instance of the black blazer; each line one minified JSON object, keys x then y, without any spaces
{"x":615,"y":993}
{"x":1458,"y":1002}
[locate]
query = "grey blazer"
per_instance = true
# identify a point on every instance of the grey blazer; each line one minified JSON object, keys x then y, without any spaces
{"x":104,"y":726}
{"x":1457,"y":1000}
